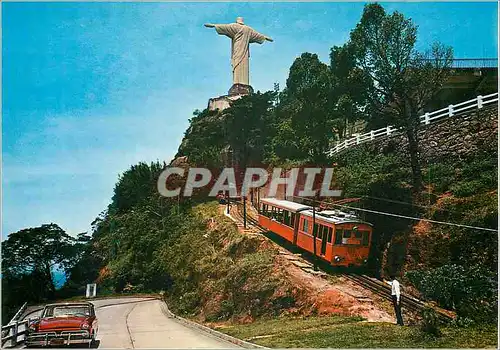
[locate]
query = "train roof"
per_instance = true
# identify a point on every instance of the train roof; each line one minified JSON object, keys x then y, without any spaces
{"x":336,"y":217}
{"x":292,"y":206}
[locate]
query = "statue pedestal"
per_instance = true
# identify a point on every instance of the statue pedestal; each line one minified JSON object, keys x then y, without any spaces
{"x":235,"y":92}
{"x":240,"y":89}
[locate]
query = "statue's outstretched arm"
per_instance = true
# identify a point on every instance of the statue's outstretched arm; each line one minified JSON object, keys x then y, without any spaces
{"x":209,"y":25}
{"x":268,"y":39}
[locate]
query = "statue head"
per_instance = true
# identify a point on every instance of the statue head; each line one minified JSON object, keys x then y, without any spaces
{"x":239,"y":20}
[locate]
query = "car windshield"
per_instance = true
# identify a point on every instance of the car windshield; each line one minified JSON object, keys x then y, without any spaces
{"x":63,"y":311}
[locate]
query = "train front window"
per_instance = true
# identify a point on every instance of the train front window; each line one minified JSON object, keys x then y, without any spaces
{"x":357,"y":234}
{"x":347,"y":233}
{"x":366,"y":238}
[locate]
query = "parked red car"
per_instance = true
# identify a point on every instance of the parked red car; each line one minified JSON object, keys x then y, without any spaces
{"x":64,"y":324}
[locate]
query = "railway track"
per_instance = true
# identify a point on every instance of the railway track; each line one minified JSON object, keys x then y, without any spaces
{"x":408,"y":302}
{"x":376,"y":286}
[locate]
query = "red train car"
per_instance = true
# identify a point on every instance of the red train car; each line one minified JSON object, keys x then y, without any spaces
{"x":342,"y":239}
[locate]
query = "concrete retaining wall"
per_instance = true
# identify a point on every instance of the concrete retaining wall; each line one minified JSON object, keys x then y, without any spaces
{"x":459,"y":136}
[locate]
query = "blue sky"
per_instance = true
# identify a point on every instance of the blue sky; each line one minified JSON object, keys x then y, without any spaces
{"x":92,"y":88}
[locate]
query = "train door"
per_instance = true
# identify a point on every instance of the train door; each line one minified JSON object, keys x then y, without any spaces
{"x":324,"y":238}
{"x":295,"y":217}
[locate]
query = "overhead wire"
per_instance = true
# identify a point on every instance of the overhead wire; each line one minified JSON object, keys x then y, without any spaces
{"x":404,"y":216}
{"x":405,"y":203}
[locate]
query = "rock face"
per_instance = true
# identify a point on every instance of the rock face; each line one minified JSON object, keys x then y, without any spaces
{"x":235,"y":92}
{"x":459,"y":136}
{"x":179,"y":161}
{"x":222,"y":102}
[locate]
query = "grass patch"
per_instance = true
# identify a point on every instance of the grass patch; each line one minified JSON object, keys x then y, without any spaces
{"x":349,"y":332}
{"x":277,"y":326}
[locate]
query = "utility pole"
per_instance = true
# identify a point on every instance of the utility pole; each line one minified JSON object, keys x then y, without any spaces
{"x":258,"y":199}
{"x":244,"y":212}
{"x":285,"y":184}
{"x":315,"y":232}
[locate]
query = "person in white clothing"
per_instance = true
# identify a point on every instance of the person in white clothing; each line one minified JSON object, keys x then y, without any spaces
{"x":396,"y":298}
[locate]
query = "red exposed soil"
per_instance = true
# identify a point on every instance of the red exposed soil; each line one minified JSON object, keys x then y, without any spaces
{"x":333,"y":296}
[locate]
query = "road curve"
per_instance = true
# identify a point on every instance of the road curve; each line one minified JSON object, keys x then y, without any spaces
{"x":134,"y":323}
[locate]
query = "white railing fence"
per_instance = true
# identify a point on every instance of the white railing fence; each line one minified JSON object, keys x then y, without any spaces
{"x":356,"y":139}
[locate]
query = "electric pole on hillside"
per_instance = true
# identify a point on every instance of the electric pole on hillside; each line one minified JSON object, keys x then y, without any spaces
{"x":244,"y":212}
{"x":315,"y":231}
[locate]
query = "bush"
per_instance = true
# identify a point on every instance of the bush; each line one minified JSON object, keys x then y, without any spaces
{"x":188,"y":303}
{"x":226,"y":309}
{"x":430,"y":322}
{"x":441,"y":176}
{"x":251,"y":284}
{"x":471,"y":291}
{"x":467,"y":188}
{"x":462,"y":322}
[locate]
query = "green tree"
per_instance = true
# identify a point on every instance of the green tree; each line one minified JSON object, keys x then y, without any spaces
{"x":382,"y":184}
{"x":248,"y":125}
{"x":86,"y":268}
{"x":38,"y":250}
{"x":135,"y":186}
{"x":29,"y":257}
{"x":304,"y":125}
{"x":350,"y":88}
{"x":402,"y":80}
{"x":204,"y":139}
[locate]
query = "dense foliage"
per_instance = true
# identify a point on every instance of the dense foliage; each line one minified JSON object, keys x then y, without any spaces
{"x":471,"y":291}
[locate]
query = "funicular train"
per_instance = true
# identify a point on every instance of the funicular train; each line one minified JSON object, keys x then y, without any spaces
{"x":342,"y":239}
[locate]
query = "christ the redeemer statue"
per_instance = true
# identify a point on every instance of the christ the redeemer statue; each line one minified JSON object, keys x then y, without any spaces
{"x":241,"y":36}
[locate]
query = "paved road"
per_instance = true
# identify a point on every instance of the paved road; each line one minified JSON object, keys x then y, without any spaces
{"x":140,"y":323}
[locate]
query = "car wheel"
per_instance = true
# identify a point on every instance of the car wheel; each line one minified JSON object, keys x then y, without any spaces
{"x":92,"y":340}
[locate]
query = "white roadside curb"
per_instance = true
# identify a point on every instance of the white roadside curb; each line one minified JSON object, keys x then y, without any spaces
{"x":228,"y":338}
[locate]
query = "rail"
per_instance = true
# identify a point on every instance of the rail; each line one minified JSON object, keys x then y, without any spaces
{"x":407,"y":301}
{"x":477,"y":103}
{"x":372,"y":284}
